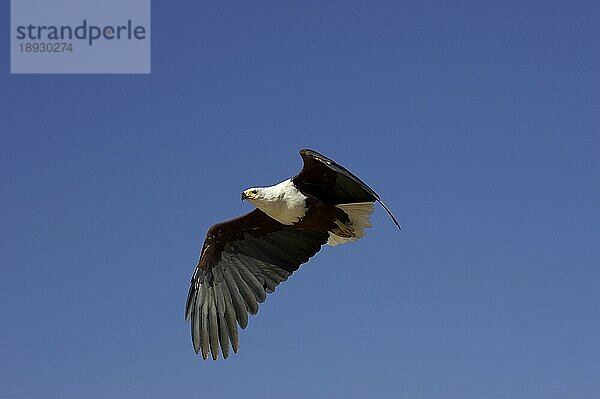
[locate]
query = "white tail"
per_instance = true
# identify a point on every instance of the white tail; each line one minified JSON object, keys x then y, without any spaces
{"x":359,"y":213}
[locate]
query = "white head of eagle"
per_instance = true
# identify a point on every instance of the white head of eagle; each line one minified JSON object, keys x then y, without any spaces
{"x":283,"y":202}
{"x":244,"y":259}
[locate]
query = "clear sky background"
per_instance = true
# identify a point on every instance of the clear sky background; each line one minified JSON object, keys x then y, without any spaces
{"x":478,"y":123}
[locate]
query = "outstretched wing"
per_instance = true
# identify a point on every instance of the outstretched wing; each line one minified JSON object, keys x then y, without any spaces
{"x":333,"y":184}
{"x":241,"y":261}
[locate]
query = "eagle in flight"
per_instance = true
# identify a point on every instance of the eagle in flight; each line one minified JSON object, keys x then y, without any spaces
{"x":245,"y":258}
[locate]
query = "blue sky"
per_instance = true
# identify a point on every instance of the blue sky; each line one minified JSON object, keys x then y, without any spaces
{"x":477,"y":122}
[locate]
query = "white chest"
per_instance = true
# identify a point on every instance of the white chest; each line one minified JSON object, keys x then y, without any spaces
{"x":283,"y":202}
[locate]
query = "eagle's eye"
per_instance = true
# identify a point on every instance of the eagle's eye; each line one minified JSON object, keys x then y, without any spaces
{"x":254,"y":192}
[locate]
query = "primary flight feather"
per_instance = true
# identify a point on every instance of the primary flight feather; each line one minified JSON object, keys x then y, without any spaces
{"x":245,"y":258}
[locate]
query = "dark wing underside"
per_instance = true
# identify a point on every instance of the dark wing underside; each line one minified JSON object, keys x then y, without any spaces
{"x":241,"y":261}
{"x":333,"y":184}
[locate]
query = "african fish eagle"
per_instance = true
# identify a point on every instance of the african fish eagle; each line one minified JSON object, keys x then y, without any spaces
{"x":245,"y":258}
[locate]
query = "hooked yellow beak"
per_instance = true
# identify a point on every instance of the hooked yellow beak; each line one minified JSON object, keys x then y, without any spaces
{"x":248,"y":194}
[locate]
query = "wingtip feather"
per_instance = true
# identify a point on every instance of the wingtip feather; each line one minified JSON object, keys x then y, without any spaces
{"x":390,"y":213}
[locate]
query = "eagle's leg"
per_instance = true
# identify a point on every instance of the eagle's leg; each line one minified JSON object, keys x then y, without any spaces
{"x":344,"y":230}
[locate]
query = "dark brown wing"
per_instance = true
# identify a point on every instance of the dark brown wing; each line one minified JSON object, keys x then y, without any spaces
{"x":241,"y":261}
{"x":333,"y":184}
